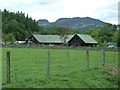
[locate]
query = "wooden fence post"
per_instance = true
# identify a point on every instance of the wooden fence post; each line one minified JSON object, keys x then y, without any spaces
{"x":87,"y":58}
{"x":67,"y":54}
{"x":8,"y":66}
{"x":103,"y":57}
{"x":48,"y":63}
{"x":114,"y":55}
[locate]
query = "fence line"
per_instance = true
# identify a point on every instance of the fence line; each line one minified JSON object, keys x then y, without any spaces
{"x":49,"y":58}
{"x":48,"y":63}
{"x":61,"y":47}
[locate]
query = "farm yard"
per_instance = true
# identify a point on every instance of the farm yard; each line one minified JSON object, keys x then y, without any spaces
{"x":67,"y":68}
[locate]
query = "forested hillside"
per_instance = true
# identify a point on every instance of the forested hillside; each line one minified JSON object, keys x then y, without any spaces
{"x":18,"y":26}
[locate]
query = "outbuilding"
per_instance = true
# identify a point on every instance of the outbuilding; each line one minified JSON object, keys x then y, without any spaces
{"x":82,"y":40}
{"x":71,"y":40}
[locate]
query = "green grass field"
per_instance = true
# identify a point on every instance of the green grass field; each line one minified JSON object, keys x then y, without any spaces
{"x":29,"y":66}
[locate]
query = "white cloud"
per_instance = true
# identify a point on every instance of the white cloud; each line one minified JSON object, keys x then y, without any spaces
{"x":105,"y":10}
{"x":101,"y":9}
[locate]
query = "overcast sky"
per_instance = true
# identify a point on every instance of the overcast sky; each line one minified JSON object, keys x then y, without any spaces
{"x":105,"y":10}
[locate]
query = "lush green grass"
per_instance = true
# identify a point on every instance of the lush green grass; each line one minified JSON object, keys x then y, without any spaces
{"x":28,"y":69}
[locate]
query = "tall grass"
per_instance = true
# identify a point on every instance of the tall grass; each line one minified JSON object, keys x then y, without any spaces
{"x":29,"y":66}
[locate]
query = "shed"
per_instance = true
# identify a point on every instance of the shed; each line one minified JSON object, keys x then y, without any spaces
{"x":82,"y":40}
{"x":47,"y":39}
{"x":71,"y":40}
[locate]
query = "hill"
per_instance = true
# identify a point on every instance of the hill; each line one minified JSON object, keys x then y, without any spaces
{"x":17,"y":26}
{"x":75,"y":23}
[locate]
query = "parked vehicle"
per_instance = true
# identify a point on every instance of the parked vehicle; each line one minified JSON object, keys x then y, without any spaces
{"x":111,"y":47}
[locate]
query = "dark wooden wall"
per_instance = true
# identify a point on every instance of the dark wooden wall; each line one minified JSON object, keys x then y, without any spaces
{"x":33,"y":40}
{"x":76,"y":41}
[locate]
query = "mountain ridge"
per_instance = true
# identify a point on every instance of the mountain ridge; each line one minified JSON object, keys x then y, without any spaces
{"x":75,"y":23}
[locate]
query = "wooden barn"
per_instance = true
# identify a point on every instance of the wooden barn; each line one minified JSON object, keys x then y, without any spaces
{"x":82,"y":40}
{"x":71,"y":40}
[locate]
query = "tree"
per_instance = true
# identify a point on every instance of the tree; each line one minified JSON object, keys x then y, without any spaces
{"x":106,"y":33}
{"x":95,"y":34}
{"x":9,"y":38}
{"x":115,"y":37}
{"x":19,"y":25}
{"x":63,"y":32}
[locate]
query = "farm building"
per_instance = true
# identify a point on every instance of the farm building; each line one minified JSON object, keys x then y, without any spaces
{"x":71,"y":40}
{"x":82,"y":40}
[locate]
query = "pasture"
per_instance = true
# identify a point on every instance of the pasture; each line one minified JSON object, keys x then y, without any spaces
{"x":68,"y":69}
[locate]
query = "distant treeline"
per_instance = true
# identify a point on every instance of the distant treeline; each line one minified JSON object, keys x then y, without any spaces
{"x":105,"y":35}
{"x":18,"y":26}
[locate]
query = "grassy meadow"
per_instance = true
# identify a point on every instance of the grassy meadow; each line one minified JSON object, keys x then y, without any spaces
{"x":29,"y":66}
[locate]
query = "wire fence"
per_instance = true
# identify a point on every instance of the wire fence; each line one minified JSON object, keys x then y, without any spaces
{"x":59,"y":47}
{"x":28,"y":62}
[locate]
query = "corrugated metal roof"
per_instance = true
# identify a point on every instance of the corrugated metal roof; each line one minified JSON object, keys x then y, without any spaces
{"x":51,"y":38}
{"x":87,"y":38}
{"x":56,"y":38}
{"x":69,"y":37}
